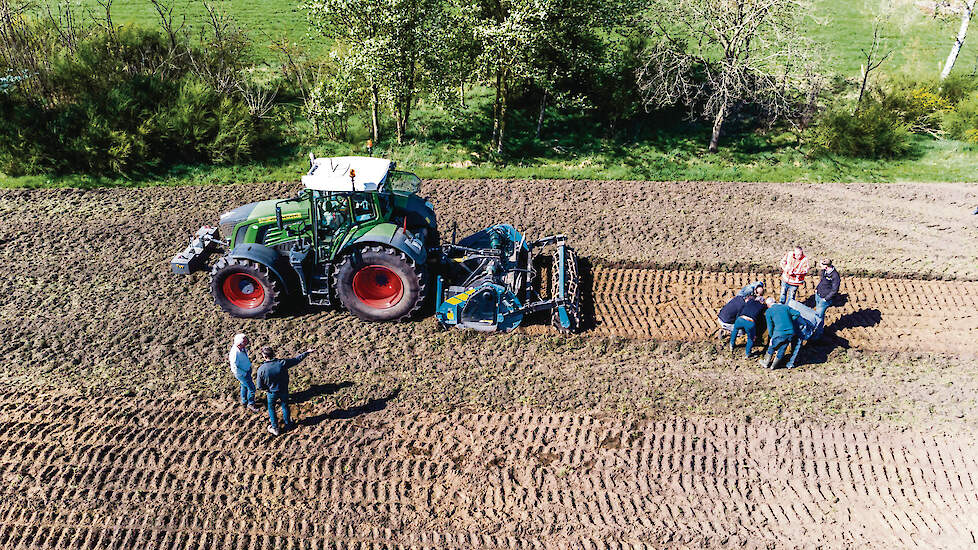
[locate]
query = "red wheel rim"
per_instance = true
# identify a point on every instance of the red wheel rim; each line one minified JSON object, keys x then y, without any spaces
{"x":243,"y":290}
{"x":377,"y":286}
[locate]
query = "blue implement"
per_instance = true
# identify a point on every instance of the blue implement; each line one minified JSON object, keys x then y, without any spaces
{"x":488,"y":281}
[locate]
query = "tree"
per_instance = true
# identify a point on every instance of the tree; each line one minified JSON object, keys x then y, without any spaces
{"x":517,"y":36}
{"x":967,"y":9}
{"x":384,"y":41}
{"x":713,"y":55}
{"x":874,"y":55}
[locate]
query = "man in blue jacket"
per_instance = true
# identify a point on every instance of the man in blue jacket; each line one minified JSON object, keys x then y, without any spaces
{"x":728,"y":314}
{"x":750,"y":316}
{"x":782,"y":332}
{"x":273,"y":377}
{"x":828,"y":287}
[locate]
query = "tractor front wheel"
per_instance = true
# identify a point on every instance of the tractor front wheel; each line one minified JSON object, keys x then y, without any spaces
{"x":244,"y":288}
{"x":377,"y":283}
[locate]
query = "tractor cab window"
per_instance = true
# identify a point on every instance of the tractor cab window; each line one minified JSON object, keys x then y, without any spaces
{"x":403,"y":181}
{"x":363,"y":207}
{"x":332,"y":213}
{"x":480,"y":309}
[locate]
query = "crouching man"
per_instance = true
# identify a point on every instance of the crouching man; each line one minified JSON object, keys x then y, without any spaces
{"x":273,"y":377}
{"x":782,"y":332}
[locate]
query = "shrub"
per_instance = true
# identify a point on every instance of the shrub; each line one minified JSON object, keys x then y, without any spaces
{"x":874,"y":131}
{"x":962,"y":122}
{"x":122,"y":102}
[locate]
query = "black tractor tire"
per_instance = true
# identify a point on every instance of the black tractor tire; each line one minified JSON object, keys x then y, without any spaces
{"x":572,"y":288}
{"x":244,"y":288}
{"x":378,"y":283}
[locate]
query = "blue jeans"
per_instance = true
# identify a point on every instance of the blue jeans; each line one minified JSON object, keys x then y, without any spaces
{"x":749,"y":329}
{"x":787,"y":292}
{"x":247,"y":389}
{"x":821,"y":304}
{"x":780,"y":345}
{"x":283,"y":397}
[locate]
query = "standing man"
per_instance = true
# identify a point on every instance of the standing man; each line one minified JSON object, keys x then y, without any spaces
{"x":750,"y":315}
{"x":828,"y":287}
{"x":241,"y":369}
{"x":273,"y":377}
{"x":794,"y":268}
{"x":782,"y":332}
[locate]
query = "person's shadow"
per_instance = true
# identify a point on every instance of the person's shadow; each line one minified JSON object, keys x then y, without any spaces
{"x":317,"y":390}
{"x":373,"y":405}
{"x":817,"y":352}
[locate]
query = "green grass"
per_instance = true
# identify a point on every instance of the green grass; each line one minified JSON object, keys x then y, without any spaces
{"x":919,"y":42}
{"x":265,"y":20}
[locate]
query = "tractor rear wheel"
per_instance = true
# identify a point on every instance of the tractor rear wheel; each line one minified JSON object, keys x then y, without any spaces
{"x":244,"y":288}
{"x":572,"y":290}
{"x":377,"y":283}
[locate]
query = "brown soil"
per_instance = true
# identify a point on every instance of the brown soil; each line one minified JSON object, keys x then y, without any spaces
{"x":180,"y":474}
{"x":877,"y":314}
{"x":415,"y":438}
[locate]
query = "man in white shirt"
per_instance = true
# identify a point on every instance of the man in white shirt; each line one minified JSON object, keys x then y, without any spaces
{"x":241,"y":368}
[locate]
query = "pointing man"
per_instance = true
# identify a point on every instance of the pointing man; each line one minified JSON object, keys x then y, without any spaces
{"x":273,"y":377}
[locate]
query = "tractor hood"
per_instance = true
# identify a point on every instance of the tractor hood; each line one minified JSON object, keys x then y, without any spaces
{"x":249,"y":211}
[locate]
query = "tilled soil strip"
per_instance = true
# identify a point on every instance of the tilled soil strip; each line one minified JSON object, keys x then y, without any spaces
{"x":875,"y":314}
{"x":168,"y":474}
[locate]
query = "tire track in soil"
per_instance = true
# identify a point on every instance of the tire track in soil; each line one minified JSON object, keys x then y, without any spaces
{"x":876,"y":314}
{"x":175,"y":474}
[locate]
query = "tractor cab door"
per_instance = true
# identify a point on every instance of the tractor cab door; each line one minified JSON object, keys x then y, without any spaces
{"x":363,"y":207}
{"x":333,"y":220}
{"x":479,"y":311}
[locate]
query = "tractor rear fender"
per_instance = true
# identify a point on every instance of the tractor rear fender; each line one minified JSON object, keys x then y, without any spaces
{"x":269,"y":258}
{"x":391,"y":235}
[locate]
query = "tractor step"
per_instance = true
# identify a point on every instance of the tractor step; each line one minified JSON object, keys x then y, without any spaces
{"x":194,"y":257}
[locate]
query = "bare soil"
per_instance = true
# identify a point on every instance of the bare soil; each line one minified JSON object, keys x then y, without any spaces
{"x":174,"y":474}
{"x":118,"y":428}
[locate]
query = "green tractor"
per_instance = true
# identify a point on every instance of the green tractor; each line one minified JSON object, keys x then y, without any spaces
{"x":357,"y":234}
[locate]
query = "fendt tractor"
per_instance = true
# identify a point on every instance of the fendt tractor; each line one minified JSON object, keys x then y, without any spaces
{"x":359,"y":236}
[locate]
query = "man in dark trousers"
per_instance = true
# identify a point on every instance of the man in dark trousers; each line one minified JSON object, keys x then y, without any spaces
{"x":750,"y":315}
{"x":828,"y":287}
{"x":782,"y":332}
{"x":273,"y":377}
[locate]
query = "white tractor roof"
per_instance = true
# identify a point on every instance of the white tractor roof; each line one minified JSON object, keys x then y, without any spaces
{"x":333,"y":173}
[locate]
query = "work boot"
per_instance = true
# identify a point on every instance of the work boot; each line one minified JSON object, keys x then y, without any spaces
{"x":274,"y":431}
{"x":789,"y":366}
{"x":765,"y":361}
{"x":252,"y":407}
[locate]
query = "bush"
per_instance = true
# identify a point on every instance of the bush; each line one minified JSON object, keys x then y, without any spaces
{"x":962,"y":122}
{"x":123,"y":102}
{"x":875,"y":131}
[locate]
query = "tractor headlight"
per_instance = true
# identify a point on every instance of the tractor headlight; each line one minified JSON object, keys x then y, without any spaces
{"x":226,"y":225}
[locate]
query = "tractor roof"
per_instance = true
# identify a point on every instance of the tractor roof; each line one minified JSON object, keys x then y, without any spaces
{"x":334,"y":173}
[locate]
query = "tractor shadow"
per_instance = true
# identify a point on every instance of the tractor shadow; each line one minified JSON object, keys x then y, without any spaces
{"x":371,"y":406}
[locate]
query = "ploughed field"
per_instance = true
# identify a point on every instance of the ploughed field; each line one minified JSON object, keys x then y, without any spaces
{"x":117,"y":426}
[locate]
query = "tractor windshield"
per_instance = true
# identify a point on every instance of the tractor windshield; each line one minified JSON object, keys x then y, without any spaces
{"x":403,"y":181}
